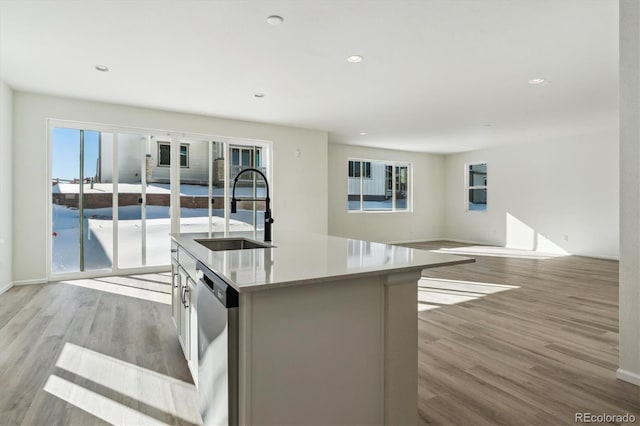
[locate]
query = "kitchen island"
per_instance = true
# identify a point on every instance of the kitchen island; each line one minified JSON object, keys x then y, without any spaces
{"x":326,"y":327}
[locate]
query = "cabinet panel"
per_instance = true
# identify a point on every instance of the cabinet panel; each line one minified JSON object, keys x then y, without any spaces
{"x":329,"y":335}
{"x":184,"y":326}
{"x":192,"y":304}
{"x":188,"y":263}
{"x":175,"y":294}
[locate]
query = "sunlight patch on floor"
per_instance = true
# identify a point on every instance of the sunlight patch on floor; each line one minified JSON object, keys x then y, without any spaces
{"x":140,"y":282}
{"x":102,"y":407}
{"x":154,"y":390}
{"x":498,"y":252}
{"x":436,"y":292}
{"x":122,"y":290}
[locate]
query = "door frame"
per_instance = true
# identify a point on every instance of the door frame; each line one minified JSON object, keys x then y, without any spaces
{"x":175,"y":137}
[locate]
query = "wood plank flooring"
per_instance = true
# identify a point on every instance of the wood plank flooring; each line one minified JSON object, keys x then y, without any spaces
{"x":506,"y":340}
{"x":519,"y":341}
{"x":74,"y":355}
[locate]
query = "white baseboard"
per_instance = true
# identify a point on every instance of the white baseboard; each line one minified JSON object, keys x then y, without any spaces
{"x":628,"y":376}
{"x":28,"y":282}
{"x":479,"y":243}
{"x":421,"y":240}
{"x":597,"y":256}
{"x":6,"y":288}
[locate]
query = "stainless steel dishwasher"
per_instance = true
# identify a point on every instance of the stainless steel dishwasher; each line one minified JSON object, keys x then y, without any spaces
{"x":217,"y":309}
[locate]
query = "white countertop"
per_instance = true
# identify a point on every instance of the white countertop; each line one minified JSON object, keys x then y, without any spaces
{"x":300,"y":258}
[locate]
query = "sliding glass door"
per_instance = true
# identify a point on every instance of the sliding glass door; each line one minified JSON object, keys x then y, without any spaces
{"x":112,"y":193}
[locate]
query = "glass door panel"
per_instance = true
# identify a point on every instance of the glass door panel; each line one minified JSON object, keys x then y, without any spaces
{"x":157,"y":196}
{"x":65,"y":209}
{"x":130,"y":200}
{"x":82,"y":204}
{"x":217,"y":187}
{"x":250,"y":214}
{"x":196,"y":176}
{"x":97,"y":203}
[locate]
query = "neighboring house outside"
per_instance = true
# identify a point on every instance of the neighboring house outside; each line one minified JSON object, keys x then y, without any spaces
{"x":136,"y":152}
{"x":375,"y":182}
{"x":376,"y":178}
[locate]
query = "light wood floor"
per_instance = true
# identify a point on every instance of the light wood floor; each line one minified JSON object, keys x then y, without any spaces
{"x":533,"y":345}
{"x":517,"y":341}
{"x":73,"y":355}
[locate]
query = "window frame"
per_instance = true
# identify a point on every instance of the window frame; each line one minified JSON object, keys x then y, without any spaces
{"x":166,"y":143}
{"x":393,"y":164}
{"x":468,"y":187}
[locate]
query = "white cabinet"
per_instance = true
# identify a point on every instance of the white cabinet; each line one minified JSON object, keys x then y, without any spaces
{"x":183,"y":306}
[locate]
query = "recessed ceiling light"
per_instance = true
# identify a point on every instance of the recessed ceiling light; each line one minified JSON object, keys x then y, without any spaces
{"x":259,"y":95}
{"x":102,"y":68}
{"x":275,"y":20}
{"x":355,"y":58}
{"x":363,"y":133}
{"x":537,"y":81}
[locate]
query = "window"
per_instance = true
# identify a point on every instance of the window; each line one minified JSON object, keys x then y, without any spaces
{"x":354,"y":169}
{"x":378,"y":185}
{"x":356,"y":166}
{"x":476,"y":186}
{"x":164,"y":155}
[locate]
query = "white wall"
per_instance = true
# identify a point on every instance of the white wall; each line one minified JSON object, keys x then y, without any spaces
{"x":630,"y":191}
{"x":6,"y":222}
{"x":424,"y":223}
{"x":299,"y":182}
{"x":538,"y":194}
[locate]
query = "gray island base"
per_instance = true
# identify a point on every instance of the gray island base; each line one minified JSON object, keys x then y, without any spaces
{"x":327,"y":328}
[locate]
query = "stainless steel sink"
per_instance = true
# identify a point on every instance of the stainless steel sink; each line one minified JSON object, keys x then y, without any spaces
{"x":220,"y":244}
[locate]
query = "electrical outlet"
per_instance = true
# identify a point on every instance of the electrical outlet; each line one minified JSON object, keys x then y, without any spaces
{"x":565,"y":237}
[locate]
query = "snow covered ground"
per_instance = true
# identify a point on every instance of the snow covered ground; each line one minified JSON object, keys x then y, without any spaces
{"x":155,"y":188}
{"x":98,"y":235}
{"x":401,"y":204}
{"x":99,"y":226}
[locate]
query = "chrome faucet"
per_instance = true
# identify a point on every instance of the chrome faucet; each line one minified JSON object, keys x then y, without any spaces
{"x":268,"y":220}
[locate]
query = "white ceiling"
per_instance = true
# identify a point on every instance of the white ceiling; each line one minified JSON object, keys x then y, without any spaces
{"x":437,"y":75}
